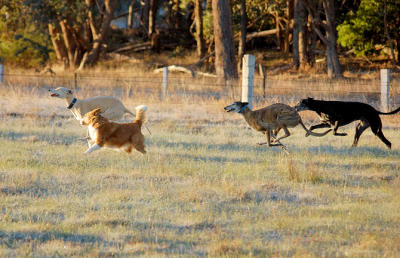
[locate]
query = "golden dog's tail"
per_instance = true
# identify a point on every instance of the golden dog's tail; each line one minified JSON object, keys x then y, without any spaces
{"x":312,"y":133}
{"x":141,"y":114}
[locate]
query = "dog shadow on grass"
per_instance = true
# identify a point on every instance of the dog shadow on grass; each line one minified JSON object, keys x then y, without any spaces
{"x":214,"y":152}
{"x":50,"y":138}
{"x":349,"y":151}
{"x":14,"y":239}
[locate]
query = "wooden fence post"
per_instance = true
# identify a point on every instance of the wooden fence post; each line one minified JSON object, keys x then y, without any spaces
{"x":248,"y":79}
{"x":164,"y":85}
{"x":1,"y":73}
{"x":385,"y":83}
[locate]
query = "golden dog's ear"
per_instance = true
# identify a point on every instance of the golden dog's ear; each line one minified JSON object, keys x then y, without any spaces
{"x":97,"y":111}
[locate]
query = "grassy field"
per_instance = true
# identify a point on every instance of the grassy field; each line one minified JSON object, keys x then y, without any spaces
{"x":203,"y":189}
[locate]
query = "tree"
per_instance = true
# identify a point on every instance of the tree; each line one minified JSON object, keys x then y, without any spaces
{"x":78,"y":29}
{"x":374,"y":23}
{"x":243,"y":29}
{"x":332,"y":58}
{"x":329,"y":27}
{"x":225,"y":62}
{"x":152,"y":17}
{"x":299,"y":34}
{"x":21,"y":42}
{"x":198,"y":16}
{"x":99,"y":34}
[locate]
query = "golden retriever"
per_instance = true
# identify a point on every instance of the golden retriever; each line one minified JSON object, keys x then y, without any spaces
{"x":122,"y":136}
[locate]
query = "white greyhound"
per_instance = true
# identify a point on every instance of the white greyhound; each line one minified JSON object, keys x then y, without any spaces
{"x":111,"y":107}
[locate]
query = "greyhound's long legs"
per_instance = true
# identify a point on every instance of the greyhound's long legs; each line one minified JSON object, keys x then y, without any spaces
{"x":336,"y":128}
{"x":359,"y":130}
{"x":268,"y":137}
{"x":287,"y":134}
{"x":322,"y":125}
{"x":276,"y":130}
{"x":269,"y":134}
{"x":284,"y":147}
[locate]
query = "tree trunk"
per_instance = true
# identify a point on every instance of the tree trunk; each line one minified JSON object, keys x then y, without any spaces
{"x":242,"y":39}
{"x":130,"y":14}
{"x":387,"y":32}
{"x":300,"y":36}
{"x":58,"y":45}
{"x":398,"y":51}
{"x":303,"y":41}
{"x":198,"y":16}
{"x":70,"y":44}
{"x":144,"y":16}
{"x":177,"y":14}
{"x":296,"y":31}
{"x":332,"y":58}
{"x":279,"y":32}
{"x":99,"y":39}
{"x":225,"y":63}
{"x":92,"y":23}
{"x":311,"y":45}
{"x":288,"y":26}
{"x":152,"y":17}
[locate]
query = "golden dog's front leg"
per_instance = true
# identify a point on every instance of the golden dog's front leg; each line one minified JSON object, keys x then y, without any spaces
{"x":92,"y":148}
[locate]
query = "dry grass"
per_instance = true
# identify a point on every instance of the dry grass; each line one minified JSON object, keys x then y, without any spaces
{"x":203,"y":189}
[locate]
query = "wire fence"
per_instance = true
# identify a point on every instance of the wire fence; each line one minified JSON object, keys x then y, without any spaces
{"x":184,"y":88}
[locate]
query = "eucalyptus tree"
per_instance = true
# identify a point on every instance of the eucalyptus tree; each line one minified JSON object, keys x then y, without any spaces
{"x":78,"y":29}
{"x":371,"y":28}
{"x":22,"y":43}
{"x":225,"y":62}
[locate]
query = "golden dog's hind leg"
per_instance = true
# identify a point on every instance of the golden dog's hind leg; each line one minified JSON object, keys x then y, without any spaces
{"x":138,"y":143}
{"x":129,"y":148}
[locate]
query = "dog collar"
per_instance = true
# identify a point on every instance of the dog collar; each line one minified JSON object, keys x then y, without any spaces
{"x":243,"y":108}
{"x":72,"y":103}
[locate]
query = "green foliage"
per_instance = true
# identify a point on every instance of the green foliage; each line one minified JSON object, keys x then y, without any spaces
{"x":208,"y":26}
{"x":364,"y":29}
{"x":21,"y":42}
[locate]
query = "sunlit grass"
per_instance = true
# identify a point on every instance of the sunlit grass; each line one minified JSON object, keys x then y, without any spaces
{"x":203,"y":189}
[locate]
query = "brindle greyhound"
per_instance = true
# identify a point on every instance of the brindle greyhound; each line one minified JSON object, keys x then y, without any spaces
{"x":271,"y":119}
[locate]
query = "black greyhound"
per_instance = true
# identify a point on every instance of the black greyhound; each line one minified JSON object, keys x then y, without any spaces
{"x":339,"y":113}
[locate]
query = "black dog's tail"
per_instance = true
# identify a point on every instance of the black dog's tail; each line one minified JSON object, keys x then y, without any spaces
{"x":389,"y":113}
{"x":312,"y":133}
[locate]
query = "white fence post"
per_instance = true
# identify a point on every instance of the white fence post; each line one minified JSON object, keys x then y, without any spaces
{"x":385,"y":82}
{"x":248,"y":79}
{"x":164,"y":85}
{"x":1,"y":73}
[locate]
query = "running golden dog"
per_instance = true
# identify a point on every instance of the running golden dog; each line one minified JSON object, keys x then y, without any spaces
{"x":122,"y":136}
